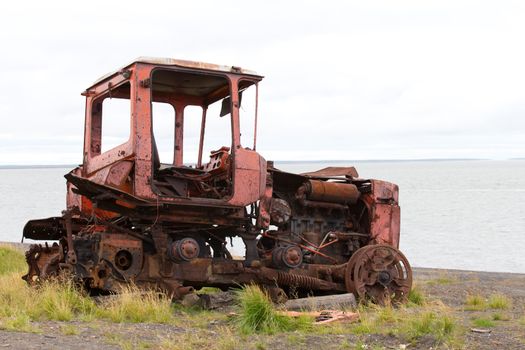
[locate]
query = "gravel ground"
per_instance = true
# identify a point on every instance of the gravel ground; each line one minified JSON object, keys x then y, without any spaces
{"x":450,"y":286}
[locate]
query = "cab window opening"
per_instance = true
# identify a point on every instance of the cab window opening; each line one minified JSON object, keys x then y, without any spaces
{"x":110,"y":119}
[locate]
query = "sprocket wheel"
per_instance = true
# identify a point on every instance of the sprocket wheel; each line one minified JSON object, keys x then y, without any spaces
{"x":43,"y":262}
{"x":380,"y":273}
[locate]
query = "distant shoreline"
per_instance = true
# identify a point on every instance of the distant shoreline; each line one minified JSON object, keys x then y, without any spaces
{"x":347,"y":161}
{"x":51,"y":166}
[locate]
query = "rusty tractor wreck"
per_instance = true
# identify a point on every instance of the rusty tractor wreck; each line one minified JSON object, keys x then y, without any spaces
{"x":131,"y":218}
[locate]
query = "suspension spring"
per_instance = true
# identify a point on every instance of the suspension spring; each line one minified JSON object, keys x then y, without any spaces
{"x":289,"y":279}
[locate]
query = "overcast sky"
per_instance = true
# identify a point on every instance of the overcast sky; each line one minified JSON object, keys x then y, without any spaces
{"x":344,"y":80}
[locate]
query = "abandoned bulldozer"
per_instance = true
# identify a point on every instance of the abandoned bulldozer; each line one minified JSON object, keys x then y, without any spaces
{"x":132,"y":218}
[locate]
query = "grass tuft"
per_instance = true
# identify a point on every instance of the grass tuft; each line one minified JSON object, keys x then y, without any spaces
{"x":483,"y":322}
{"x":440,"y":326}
{"x":135,"y":305}
{"x":18,"y":323}
{"x":416,"y":296}
{"x":499,"y":301}
{"x":258,"y":315}
{"x":498,"y":316}
{"x":475,"y":303}
{"x":478,"y":303}
{"x":260,"y":346}
{"x":60,"y":300}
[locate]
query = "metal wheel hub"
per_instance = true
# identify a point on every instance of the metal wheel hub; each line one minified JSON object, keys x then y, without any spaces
{"x":380,"y":273}
{"x":384,"y":278}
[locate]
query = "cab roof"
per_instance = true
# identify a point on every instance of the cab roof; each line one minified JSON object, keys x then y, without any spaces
{"x":162,"y":61}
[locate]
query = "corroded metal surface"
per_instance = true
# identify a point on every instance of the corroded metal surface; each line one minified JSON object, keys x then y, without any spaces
{"x":129,"y":218}
{"x":379,"y":272}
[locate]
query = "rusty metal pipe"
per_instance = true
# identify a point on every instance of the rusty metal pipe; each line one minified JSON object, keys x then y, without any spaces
{"x":335,"y":192}
{"x":328,"y":192}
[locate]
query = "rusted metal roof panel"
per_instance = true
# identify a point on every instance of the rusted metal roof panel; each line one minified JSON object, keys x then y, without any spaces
{"x":333,"y":171}
{"x":194,"y":64}
{"x":163,"y":61}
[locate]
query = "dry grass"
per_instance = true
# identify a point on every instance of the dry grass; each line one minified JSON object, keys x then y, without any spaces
{"x":475,"y":303}
{"x":61,"y":300}
{"x":495,"y":301}
{"x":69,"y":329}
{"x":202,"y":340}
{"x":409,"y":323}
{"x":257,"y":319}
{"x":443,"y":279}
{"x":135,"y":305}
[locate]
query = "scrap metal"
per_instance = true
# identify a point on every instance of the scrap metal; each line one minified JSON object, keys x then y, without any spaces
{"x":130,"y":218}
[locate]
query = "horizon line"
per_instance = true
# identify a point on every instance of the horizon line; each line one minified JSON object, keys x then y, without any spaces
{"x":43,"y":166}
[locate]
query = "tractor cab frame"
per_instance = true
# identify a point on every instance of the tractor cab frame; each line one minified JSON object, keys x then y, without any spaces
{"x":234,"y":175}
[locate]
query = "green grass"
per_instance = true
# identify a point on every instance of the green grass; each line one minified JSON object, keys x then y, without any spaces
{"x":208,"y":290}
{"x":256,"y":314}
{"x":440,"y":326}
{"x":483,"y":322}
{"x":345,"y":345}
{"x":498,"y":316}
{"x":416,"y":296}
{"x":11,"y":260}
{"x":499,"y":301}
{"x":19,"y":323}
{"x":260,"y":346}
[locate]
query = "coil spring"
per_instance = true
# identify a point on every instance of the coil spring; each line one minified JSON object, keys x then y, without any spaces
{"x":289,"y":279}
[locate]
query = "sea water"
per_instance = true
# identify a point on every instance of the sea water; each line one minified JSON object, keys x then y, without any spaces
{"x":454,"y":214}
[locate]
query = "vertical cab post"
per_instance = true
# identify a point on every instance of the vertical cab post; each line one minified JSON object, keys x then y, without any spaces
{"x":142,"y":136}
{"x":201,"y":139}
{"x":178,"y":159}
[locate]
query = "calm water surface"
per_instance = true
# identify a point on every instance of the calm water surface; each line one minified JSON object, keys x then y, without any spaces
{"x":454,"y":214}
